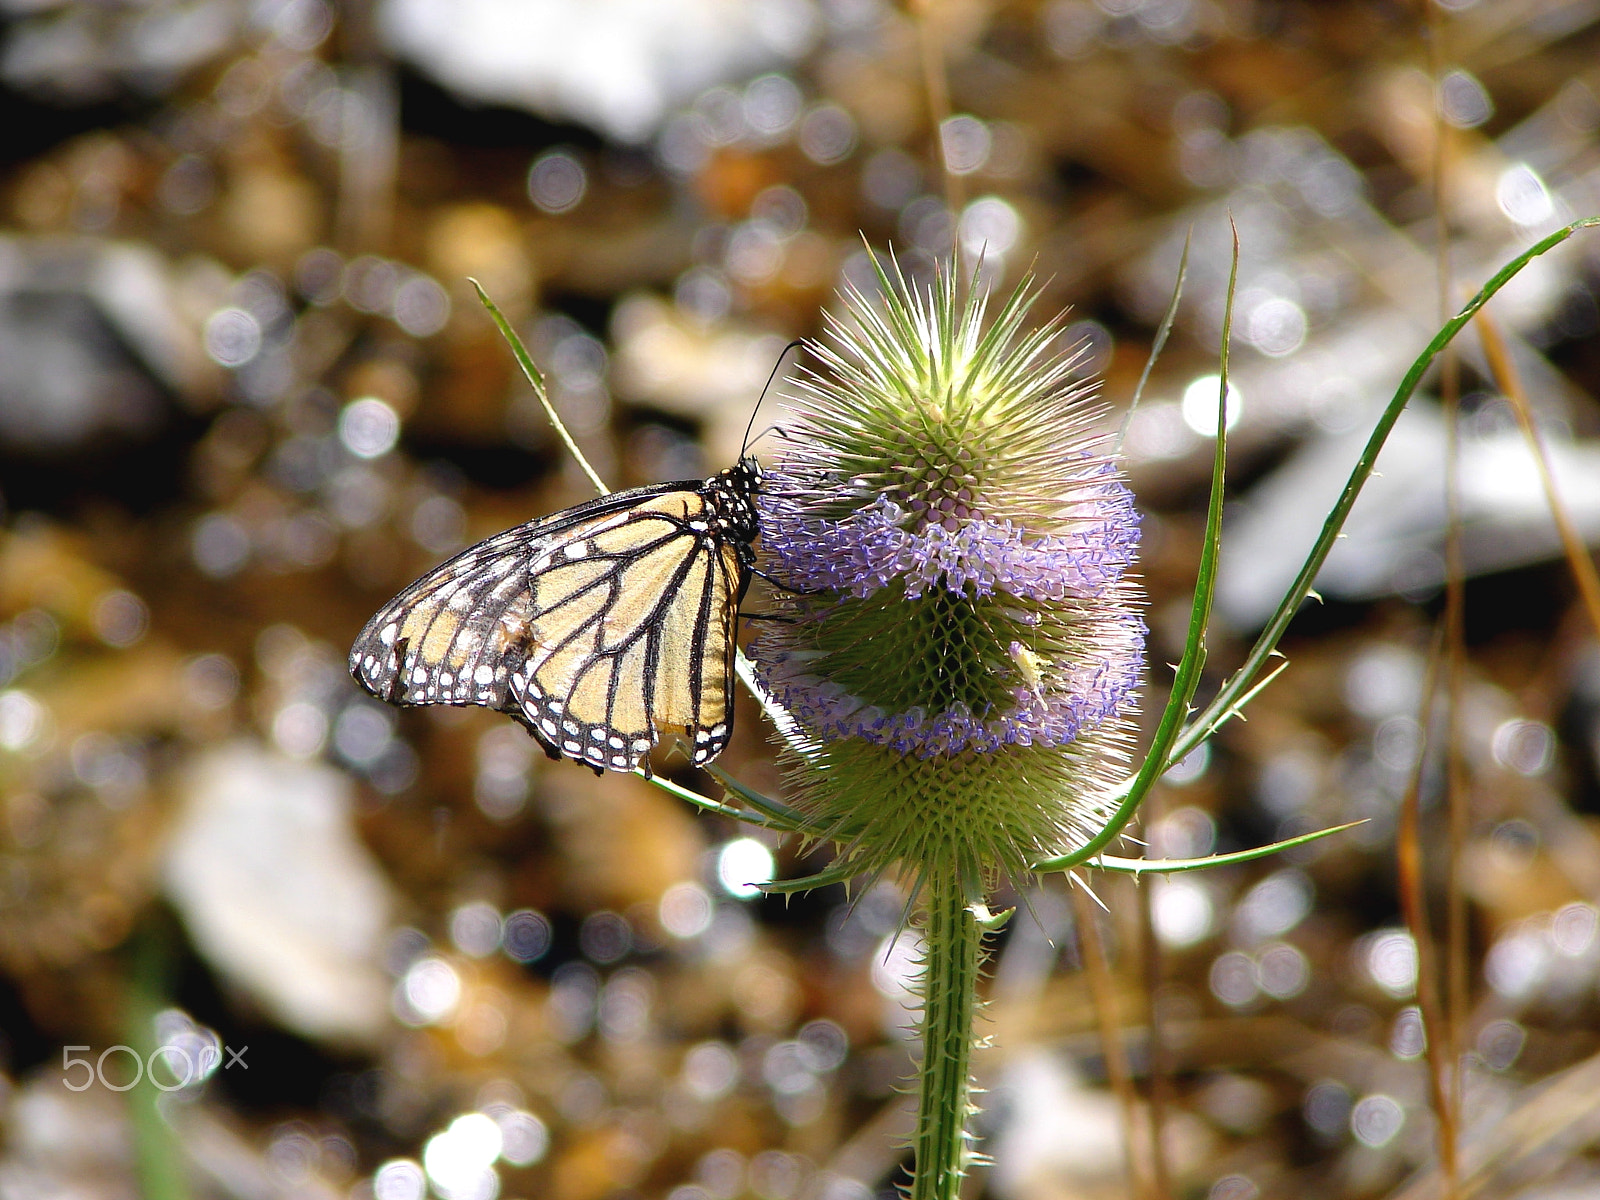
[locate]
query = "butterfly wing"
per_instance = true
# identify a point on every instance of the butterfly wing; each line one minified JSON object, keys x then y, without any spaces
{"x":591,"y":627}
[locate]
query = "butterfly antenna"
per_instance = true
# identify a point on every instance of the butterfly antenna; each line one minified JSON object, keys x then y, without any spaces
{"x":798,"y":342}
{"x":777,"y":429}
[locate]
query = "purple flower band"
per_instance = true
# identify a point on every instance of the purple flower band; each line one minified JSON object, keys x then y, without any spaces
{"x":873,"y":546}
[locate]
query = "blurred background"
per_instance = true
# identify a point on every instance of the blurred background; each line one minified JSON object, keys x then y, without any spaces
{"x":263,"y":936}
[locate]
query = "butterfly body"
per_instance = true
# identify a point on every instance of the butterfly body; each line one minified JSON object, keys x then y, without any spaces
{"x":593,"y":626}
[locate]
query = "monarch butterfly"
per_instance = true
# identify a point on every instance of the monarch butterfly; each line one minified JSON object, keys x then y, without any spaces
{"x":591,"y":626}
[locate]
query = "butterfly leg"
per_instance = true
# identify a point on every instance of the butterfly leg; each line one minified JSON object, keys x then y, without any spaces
{"x":783,"y":587}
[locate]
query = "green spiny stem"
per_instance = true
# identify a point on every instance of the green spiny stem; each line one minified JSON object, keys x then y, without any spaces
{"x":954,"y":940}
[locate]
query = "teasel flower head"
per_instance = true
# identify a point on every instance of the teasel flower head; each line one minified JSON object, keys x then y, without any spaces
{"x":951,"y":542}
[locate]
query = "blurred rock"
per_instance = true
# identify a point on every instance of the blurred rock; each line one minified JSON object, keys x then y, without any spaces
{"x":482,"y":242}
{"x":712,"y":374}
{"x":93,"y":342}
{"x":83,"y":53}
{"x":65,"y":1143}
{"x":1053,"y":1135}
{"x":1394,"y":539}
{"x":278,"y":893}
{"x":622,"y":842}
{"x":270,"y":213}
{"x":618,"y":66}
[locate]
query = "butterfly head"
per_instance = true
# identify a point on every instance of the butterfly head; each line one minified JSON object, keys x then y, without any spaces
{"x":732,"y":495}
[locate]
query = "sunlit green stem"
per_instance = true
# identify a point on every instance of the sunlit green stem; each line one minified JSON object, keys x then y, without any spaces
{"x":1186,"y":679}
{"x":1226,"y":701}
{"x":954,"y":951}
{"x":535,"y":379}
{"x":158,"y":1155}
